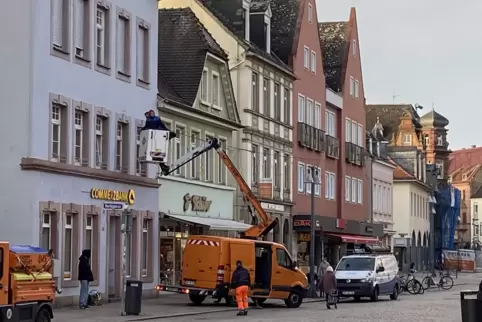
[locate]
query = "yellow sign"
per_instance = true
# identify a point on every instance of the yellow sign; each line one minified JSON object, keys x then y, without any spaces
{"x":129,"y":197}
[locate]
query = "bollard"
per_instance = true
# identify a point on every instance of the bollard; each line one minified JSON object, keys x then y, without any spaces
{"x":471,"y":308}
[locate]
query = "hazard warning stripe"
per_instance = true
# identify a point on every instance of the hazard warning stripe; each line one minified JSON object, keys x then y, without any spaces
{"x":203,"y":242}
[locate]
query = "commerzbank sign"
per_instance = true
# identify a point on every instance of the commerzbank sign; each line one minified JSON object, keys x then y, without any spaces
{"x":128,"y":197}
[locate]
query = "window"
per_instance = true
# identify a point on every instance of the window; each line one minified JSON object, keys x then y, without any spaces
{"x":56,"y":123}
{"x":353,"y":48}
{"x":204,"y":86}
{"x":283,"y":259}
{"x":306,"y":182}
{"x":255,"y":163}
{"x":426,"y":139}
{"x":46,"y":237}
{"x":141,"y":168}
{"x":255,"y":92}
{"x":266,"y":164}
{"x":81,"y":138}
{"x":215,"y":87}
{"x":101,"y":141}
{"x":222,"y":174}
{"x":347,"y":130}
{"x":81,"y":28}
{"x":354,"y":132}
{"x":102,"y":36}
{"x":440,"y":141}
{"x":287,"y":172}
{"x":307,"y":57}
{"x":277,"y":169}
{"x":301,"y":108}
{"x":180,"y":147}
{"x":352,"y":86}
{"x":123,"y":50}
{"x":277,"y":102}
{"x":89,"y":235}
{"x":360,"y":135}
{"x":194,"y":141}
{"x":122,"y":147}
{"x":143,"y":53}
{"x":375,"y":198}
{"x":357,"y":89}
{"x":266,"y":98}
{"x":330,"y":120}
{"x":208,"y":162}
{"x":407,"y":139}
{"x":68,"y":246}
{"x":354,"y":185}
{"x":330,"y":185}
{"x":360,"y":192}
{"x":301,"y":177}
{"x":310,"y":13}
{"x":287,"y":106}
{"x":347,"y":188}
{"x":309,"y":112}
{"x":60,"y":27}
{"x":317,"y":185}
{"x":145,"y":248}
{"x":313,"y":62}
{"x":317,"y":116}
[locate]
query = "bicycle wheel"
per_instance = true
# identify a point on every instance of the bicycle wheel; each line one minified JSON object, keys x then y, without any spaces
{"x":446,"y":282}
{"x":414,"y":287}
{"x":426,"y":282}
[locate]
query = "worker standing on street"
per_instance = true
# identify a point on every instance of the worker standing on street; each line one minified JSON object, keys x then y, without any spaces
{"x":241,"y":281}
{"x":85,"y":277}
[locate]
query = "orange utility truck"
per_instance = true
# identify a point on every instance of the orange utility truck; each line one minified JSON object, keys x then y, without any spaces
{"x":27,"y":289}
{"x":209,"y":261}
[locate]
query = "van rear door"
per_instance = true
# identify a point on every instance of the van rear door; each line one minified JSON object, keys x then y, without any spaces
{"x":243,"y":251}
{"x":200,"y":262}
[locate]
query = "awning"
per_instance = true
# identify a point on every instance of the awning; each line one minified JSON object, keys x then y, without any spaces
{"x":355,"y":238}
{"x":213,"y":223}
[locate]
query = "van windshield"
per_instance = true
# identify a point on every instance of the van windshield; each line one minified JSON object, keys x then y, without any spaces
{"x":356,"y":264}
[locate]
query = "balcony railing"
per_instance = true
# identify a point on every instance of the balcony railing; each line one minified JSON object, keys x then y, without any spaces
{"x":332,"y":147}
{"x":311,"y":137}
{"x":354,"y":154}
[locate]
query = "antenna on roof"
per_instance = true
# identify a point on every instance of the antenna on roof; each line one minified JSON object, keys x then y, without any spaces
{"x":394,"y":97}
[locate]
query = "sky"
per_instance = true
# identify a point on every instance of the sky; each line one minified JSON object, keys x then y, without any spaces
{"x":422,"y":51}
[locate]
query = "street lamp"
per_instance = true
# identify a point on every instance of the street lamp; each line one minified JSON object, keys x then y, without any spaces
{"x":312,"y":178}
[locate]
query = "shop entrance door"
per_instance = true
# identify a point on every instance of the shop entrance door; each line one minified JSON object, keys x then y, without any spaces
{"x":170,"y":260}
{"x":114,"y":264}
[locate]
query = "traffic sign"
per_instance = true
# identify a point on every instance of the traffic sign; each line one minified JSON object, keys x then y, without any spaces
{"x":113,"y":205}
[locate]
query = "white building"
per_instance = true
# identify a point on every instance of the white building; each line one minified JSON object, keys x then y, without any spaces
{"x":77,"y":78}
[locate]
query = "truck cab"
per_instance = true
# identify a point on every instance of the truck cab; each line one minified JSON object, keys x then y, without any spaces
{"x":27,"y":289}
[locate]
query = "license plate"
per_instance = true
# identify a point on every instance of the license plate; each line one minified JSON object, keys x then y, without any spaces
{"x":348,"y":293}
{"x":189,"y":283}
{"x":169,"y":289}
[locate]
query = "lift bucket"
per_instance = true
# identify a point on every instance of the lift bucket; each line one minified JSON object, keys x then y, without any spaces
{"x":154,"y":147}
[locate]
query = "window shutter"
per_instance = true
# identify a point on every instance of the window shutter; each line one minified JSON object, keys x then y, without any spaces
{"x":79,"y":24}
{"x":57,"y":22}
{"x":121,"y":43}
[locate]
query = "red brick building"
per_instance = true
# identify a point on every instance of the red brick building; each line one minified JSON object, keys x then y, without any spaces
{"x":325,"y":115}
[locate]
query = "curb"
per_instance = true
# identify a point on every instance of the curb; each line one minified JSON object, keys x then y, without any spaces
{"x":176,"y":315}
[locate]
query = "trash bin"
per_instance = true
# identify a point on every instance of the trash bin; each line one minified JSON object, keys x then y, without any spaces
{"x":133,"y":297}
{"x":471,"y":307}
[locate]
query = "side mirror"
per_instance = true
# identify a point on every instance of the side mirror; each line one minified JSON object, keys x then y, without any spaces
{"x":380,"y":269}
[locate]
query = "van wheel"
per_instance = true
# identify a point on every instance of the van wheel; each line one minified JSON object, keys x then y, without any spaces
{"x":230,"y":301}
{"x":375,"y":294}
{"x":294,"y":300}
{"x":197,"y":299}
{"x":43,"y":316}
{"x":258,"y":300}
{"x":395,"y":292}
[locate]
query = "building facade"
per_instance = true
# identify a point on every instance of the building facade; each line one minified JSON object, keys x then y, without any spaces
{"x":196,"y":99}
{"x":263,"y":90}
{"x":475,"y":203}
{"x":78,"y":149}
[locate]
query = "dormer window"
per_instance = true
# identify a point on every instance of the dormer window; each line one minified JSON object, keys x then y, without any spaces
{"x":310,"y":13}
{"x":427,"y":140}
{"x":440,"y":141}
{"x":246,"y":4}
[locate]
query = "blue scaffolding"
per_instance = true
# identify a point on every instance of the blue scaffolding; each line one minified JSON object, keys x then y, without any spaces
{"x":447,"y":212}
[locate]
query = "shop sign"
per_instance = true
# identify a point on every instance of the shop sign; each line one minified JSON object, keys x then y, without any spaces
{"x":128,"y":197}
{"x":302,"y":223}
{"x":197,"y":203}
{"x":272,"y":206}
{"x":369,"y":229}
{"x":303,"y":237}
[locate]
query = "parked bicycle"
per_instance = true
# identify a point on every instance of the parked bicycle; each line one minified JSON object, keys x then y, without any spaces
{"x":445,"y":282}
{"x":410,"y":284}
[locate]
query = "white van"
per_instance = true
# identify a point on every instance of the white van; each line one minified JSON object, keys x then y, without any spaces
{"x":368,"y":275}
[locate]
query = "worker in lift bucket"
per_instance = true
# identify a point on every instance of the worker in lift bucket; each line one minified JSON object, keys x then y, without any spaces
{"x":241,"y":281}
{"x":154,"y":122}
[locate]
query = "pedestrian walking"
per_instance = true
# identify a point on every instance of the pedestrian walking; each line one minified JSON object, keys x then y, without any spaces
{"x":329,"y":287}
{"x":241,"y":281}
{"x":321,"y":271}
{"x":85,"y":276}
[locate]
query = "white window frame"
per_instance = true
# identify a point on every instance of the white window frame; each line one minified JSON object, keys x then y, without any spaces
{"x":360,"y":192}
{"x":79,"y":26}
{"x":310,"y":112}
{"x":360,"y":135}
{"x":302,"y":108}
{"x":99,"y":133}
{"x":307,"y":175}
{"x":440,"y":140}
{"x":318,"y":185}
{"x":194,"y":167}
{"x":347,"y":130}
{"x":222,"y":173}
{"x":145,"y":247}
{"x":301,"y":179}
{"x":352,"y":86}
{"x":313,"y":62}
{"x":266,"y":164}
{"x":56,"y":119}
{"x":347,"y":188}
{"x":209,"y":160}
{"x":354,"y":132}
{"x":68,"y":273}
{"x":213,"y":88}
{"x":138,"y":146}
{"x":404,"y":139}
{"x":330,"y":123}
{"x":317,"y":116}
{"x":48,"y":226}
{"x":332,"y":186}
{"x":178,"y":146}
{"x":78,"y":134}
{"x":118,"y":145}
{"x":354,"y":187}
{"x":204,"y":95}
{"x":89,"y":227}
{"x":357,"y":89}
{"x":310,"y":13}
{"x":100,"y":27}
{"x":306,"y":57}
